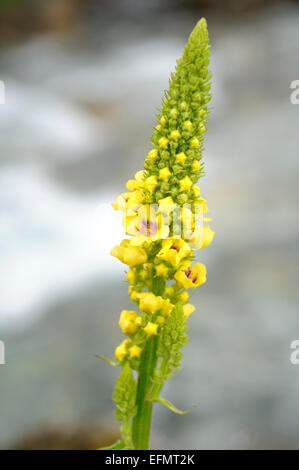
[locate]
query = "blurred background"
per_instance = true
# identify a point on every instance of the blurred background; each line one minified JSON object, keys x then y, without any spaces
{"x":82,"y":81}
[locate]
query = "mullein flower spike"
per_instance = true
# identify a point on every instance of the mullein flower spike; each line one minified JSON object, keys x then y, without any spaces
{"x":164,"y":216}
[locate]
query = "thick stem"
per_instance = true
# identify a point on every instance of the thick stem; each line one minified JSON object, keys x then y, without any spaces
{"x":142,"y":419}
{"x":148,"y":362}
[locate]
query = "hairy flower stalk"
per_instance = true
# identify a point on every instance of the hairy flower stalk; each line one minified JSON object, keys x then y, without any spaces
{"x":164,"y":217}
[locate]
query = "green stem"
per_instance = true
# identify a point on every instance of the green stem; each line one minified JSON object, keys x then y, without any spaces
{"x":148,"y":362}
{"x":157,"y":388}
{"x":143,"y":417}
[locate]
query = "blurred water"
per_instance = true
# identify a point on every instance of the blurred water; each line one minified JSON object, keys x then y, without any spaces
{"x":74,"y":128}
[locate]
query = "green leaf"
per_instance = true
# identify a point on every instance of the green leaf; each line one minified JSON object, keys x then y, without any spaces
{"x":171,"y":407}
{"x":110,"y":361}
{"x":118,"y":445}
{"x":124,"y":397}
{"x":173,"y":339}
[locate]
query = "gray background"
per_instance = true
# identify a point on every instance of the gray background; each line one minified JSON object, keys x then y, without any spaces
{"x":81,"y":92}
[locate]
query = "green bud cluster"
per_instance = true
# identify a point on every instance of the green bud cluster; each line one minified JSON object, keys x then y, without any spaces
{"x":182,"y":119}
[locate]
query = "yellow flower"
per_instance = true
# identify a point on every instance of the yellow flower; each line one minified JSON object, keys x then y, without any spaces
{"x":188,"y":309}
{"x":121,"y":350}
{"x":174,"y":250}
{"x":200,"y":209}
{"x":161,"y":270}
{"x":131,"y":276}
{"x":135,"y":351}
{"x":181,"y":158}
{"x":138,"y":182}
{"x":150,"y":183}
{"x":167,"y":308}
{"x":133,"y":293}
{"x":140,"y":175}
{"x":149,"y":302}
{"x":202,"y":128}
{"x":151,"y":329}
{"x":196,"y":191}
{"x":191,"y":278}
{"x":185,"y":184}
{"x":164,"y":174}
{"x":129,"y":201}
{"x":187,"y":219}
{"x":195,"y":165}
{"x":143,"y":274}
{"x":173,"y":113}
{"x":202,"y":237}
{"x":130,"y":255}
{"x":188,"y":125}
{"x":127,"y":322}
{"x":146,"y":225}
{"x":160,"y":320}
{"x":194,"y":142}
{"x":163,"y":142}
{"x":169,"y":291}
{"x":175,"y":135}
{"x":152,"y":155}
{"x":183,"y":105}
{"x":166,"y":205}
{"x":184,"y":296}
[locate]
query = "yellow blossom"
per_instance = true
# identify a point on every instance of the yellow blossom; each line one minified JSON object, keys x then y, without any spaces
{"x":149,"y":302}
{"x":184,"y":296}
{"x":173,"y":113}
{"x":133,"y":293}
{"x":131,"y":276}
{"x":161,"y":270}
{"x":194,"y":142}
{"x":151,"y":329}
{"x":188,"y":125}
{"x":127,"y":322}
{"x":200,"y":209}
{"x":135,"y":351}
{"x":138,"y":183}
{"x":188,"y":309}
{"x":202,"y":128}
{"x":195,"y":165}
{"x":130,"y":255}
{"x":166,"y":205}
{"x":167,"y":308}
{"x":196,"y":191}
{"x":169,"y":291}
{"x":174,"y":250}
{"x":185,"y":184}
{"x":163,"y":142}
{"x":183,"y":105}
{"x":187,"y":219}
{"x":160,"y":320}
{"x":181,"y":158}
{"x":150,"y":183}
{"x":202,"y":237}
{"x":129,"y":201}
{"x":191,"y":278}
{"x":140,"y":175}
{"x":175,"y":135}
{"x":143,"y":274}
{"x":152,"y":155}
{"x":164,"y":174}
{"x":146,"y":225}
{"x":121,"y":350}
